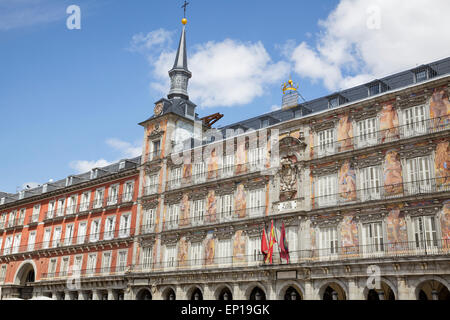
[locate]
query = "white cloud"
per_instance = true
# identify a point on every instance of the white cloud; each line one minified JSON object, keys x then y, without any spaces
{"x":157,"y":39}
{"x":362,"y":40}
{"x":226,"y":73}
{"x":125,"y":149}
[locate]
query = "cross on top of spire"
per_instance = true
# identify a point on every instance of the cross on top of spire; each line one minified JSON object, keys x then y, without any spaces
{"x":184,"y":6}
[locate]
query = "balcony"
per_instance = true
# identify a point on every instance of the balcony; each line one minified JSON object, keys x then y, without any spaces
{"x":219,"y":217}
{"x":151,"y":189}
{"x":147,"y":228}
{"x":155,"y":155}
{"x":84,"y":273}
{"x":383,"y":136}
{"x":390,"y":191}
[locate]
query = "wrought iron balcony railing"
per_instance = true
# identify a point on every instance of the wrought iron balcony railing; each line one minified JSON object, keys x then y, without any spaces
{"x":85,"y":273}
{"x":387,"y":191}
{"x":382,"y":136}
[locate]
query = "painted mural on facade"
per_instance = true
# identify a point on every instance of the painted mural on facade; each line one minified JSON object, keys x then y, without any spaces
{"x":396,"y":230}
{"x":213,"y":165}
{"x":349,"y":235}
{"x":210,"y":251}
{"x":347,"y":182}
{"x":184,"y":211}
{"x":442,"y":164}
{"x":183,"y":249}
{"x":211,"y":206}
{"x":344,"y":134}
{"x":187,"y":172}
{"x":388,"y":123}
{"x":440,"y":106}
{"x":240,"y":201}
{"x":445,"y":224}
{"x":239,"y":247}
{"x":393,"y":180}
{"x":241,"y":159}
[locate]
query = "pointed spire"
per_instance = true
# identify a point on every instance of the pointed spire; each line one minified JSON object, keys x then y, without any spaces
{"x":179,"y":74}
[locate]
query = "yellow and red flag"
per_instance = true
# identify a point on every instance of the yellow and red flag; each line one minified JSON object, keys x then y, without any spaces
{"x":272,"y":241}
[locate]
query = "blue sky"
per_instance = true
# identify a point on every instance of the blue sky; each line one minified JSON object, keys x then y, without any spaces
{"x":71,"y":99}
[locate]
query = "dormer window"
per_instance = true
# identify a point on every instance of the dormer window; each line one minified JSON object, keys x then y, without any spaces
{"x":122,"y":165}
{"x":94,"y":173}
{"x":44,"y":188}
{"x":423,"y":73}
{"x":2,"y":200}
{"x":335,"y":101}
{"x":21,"y":194}
{"x":264,"y":123}
{"x":69,"y":181}
{"x":189,"y":111}
{"x":376,"y":87}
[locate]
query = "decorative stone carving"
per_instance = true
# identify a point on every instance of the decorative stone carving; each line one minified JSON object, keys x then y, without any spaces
{"x":168,"y":239}
{"x":288,"y":178}
{"x":156,"y":133}
{"x":198,"y":194}
{"x":151,"y":169}
{"x":227,"y":188}
{"x":224,"y":233}
{"x":173,"y":198}
{"x":196,"y":236}
{"x":412,"y":151}
{"x":256,"y":183}
{"x":150,"y":202}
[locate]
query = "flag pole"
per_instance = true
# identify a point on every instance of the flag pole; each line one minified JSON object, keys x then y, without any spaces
{"x":278,"y":245}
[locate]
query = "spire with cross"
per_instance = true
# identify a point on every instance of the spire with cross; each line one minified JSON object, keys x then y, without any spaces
{"x":184,"y":6}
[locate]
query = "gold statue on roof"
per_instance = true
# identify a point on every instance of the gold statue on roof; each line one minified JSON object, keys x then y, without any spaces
{"x":288,"y":86}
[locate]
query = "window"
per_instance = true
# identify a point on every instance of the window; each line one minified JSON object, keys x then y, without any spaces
{"x":98,"y":200}
{"x":156,"y":148}
{"x":128,"y":193}
{"x":264,"y":123}
{"x":113,"y":193}
{"x":2,"y":220}
{"x":44,"y":188}
{"x":8,"y":245}
{"x":91,"y":263}
{"x":16,"y":245}
{"x":326,"y":141}
{"x":175,"y":177}
{"x":21,"y":218}
{"x":333,"y":102}
{"x":51,"y":210}
{"x":366,"y":132}
{"x":85,"y":198}
{"x":21,"y":194}
{"x":196,"y":254}
{"x":106,"y":261}
{"x":199,"y":172}
{"x":292,"y":238}
{"x":254,"y":250}
{"x":31,"y":240}
{"x":94,"y":173}
{"x":110,"y":223}
{"x":421,"y":75}
{"x":172,"y":216}
{"x":152,"y":184}
{"x":198,"y":211}
{"x":77,"y":263}
{"x":121,"y":165}
{"x":256,"y":202}
{"x":418,"y":175}
{"x":64,"y":268}
{"x":12,"y":219}
{"x":125,"y":222}
{"x":68,"y":235}
{"x":328,"y":242}
{"x":372,"y":238}
{"x":226,"y":207}
{"x":95,"y":230}
{"x":228,"y":165}
{"x":147,"y":258}
{"x":326,"y":190}
{"x":170,"y":257}
{"x":72,"y":204}
{"x":122,"y":261}
{"x":57,"y":236}
{"x":82,"y":227}
{"x":46,"y":239}
{"x":36,"y":212}
{"x":297,"y":113}
{"x":149,"y":220}
{"x":256,"y":158}
{"x":370,"y":183}
{"x":374,"y":89}
{"x":414,"y":120}
{"x":60,"y":208}
{"x":425,"y":232}
{"x":224,"y":255}
{"x":69,"y":181}
{"x":3,"y":272}
{"x":52,"y":268}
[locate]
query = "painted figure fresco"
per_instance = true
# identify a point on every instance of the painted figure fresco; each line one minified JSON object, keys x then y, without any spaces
{"x":349,"y":235}
{"x":442,"y":164}
{"x":347,"y":182}
{"x":213,"y":165}
{"x":396,"y":230}
{"x":240,"y":201}
{"x":440,"y":107}
{"x":183,"y":247}
{"x":241,"y":159}
{"x":311,"y":143}
{"x":239,"y":247}
{"x":393,"y":181}
{"x":445,"y":224}
{"x":345,"y":134}
{"x":209,"y":251}
{"x":187,"y":172}
{"x":211,"y":204}
{"x":184,"y":211}
{"x":388,"y":123}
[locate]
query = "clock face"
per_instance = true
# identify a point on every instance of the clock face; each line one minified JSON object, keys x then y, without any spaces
{"x":158,"y":109}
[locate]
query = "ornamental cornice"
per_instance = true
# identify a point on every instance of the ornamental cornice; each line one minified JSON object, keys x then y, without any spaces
{"x":412,"y":151}
{"x":149,"y":203}
{"x":195,"y":236}
{"x":173,"y":198}
{"x":170,"y":239}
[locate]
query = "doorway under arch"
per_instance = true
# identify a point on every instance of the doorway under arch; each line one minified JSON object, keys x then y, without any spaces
{"x":333,"y":291}
{"x":225,"y":294}
{"x":292,"y":294}
{"x":432,"y":290}
{"x":144,"y":294}
{"x":197,"y":294}
{"x":257,"y":294}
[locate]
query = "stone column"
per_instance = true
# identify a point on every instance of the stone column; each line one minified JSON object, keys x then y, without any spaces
{"x":309,"y":291}
{"x":111,"y":295}
{"x":271,"y":293}
{"x":208,"y":293}
{"x":96,"y":295}
{"x":129,"y":294}
{"x":354,"y":291}
{"x":54,"y":295}
{"x":238,"y":293}
{"x":180,"y":294}
{"x":67,"y":295}
{"x":81,"y":295}
{"x":404,"y":291}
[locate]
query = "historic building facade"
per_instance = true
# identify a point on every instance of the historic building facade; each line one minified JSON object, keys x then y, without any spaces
{"x":360,"y":179}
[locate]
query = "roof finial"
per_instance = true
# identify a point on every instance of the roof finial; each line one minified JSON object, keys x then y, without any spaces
{"x":184,"y":6}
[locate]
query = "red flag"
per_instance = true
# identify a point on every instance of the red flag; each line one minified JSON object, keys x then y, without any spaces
{"x":264,"y":247}
{"x":272,"y":241}
{"x":284,"y":250}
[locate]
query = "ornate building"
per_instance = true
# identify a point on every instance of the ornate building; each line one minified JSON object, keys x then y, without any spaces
{"x":360,"y":179}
